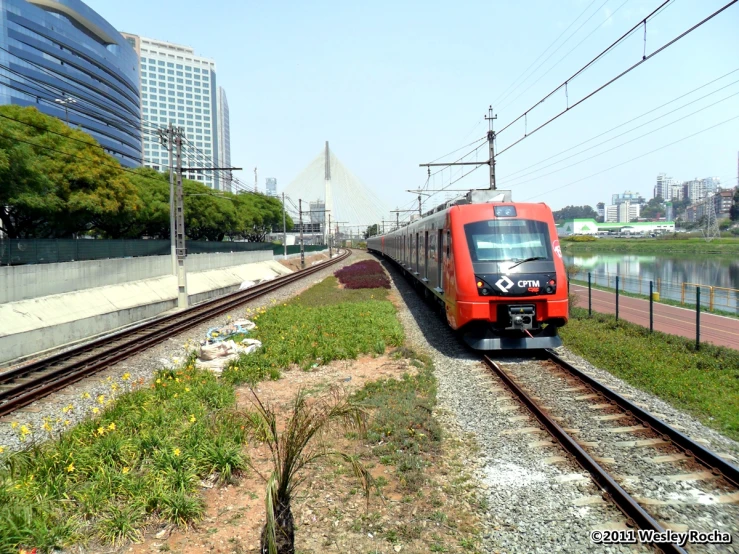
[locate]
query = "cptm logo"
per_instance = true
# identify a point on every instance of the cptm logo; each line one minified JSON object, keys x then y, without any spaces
{"x":557,"y":249}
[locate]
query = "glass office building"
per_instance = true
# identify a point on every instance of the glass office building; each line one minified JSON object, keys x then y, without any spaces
{"x":64,"y":59}
{"x":179,"y":87}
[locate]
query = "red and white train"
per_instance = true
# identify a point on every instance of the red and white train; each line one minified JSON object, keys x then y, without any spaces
{"x":494,"y":266}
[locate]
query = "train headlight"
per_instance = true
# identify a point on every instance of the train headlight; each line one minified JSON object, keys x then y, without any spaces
{"x":480,"y":284}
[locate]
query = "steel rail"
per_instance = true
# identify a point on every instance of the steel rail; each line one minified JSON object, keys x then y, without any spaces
{"x":630,"y":508}
{"x":41,"y":378}
{"x":691,"y":448}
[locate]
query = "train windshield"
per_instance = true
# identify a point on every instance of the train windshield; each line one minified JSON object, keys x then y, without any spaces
{"x":504,"y":240}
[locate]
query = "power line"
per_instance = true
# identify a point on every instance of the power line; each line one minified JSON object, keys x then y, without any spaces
{"x":570,"y":52}
{"x":631,"y":120}
{"x":613,"y":80}
{"x":636,"y":157}
{"x":620,"y":135}
{"x":499,"y":100}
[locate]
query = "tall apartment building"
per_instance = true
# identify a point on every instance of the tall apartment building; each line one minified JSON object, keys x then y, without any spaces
{"x":224,"y":138}
{"x":271,"y":183}
{"x":663,"y":188}
{"x":67,"y":61}
{"x":628,"y":196}
{"x":721,"y":205}
{"x":179,"y":87}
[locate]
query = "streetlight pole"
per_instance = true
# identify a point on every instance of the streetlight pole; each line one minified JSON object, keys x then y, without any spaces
{"x":284,"y":228}
{"x":64,"y":102}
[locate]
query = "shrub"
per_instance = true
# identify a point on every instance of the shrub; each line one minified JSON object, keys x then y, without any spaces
{"x":366,"y":274}
{"x":581,"y":238}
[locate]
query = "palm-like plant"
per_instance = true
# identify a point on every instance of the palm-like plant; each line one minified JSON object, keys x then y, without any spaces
{"x":293,"y":449}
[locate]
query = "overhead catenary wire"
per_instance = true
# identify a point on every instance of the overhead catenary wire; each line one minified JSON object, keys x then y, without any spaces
{"x":614,"y":79}
{"x":569,"y":52}
{"x":501,"y":99}
{"x":682,"y":118}
{"x":629,"y":121}
{"x":724,"y":122}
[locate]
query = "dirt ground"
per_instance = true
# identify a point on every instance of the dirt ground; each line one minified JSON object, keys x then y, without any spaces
{"x":294,"y":263}
{"x":331,"y":513}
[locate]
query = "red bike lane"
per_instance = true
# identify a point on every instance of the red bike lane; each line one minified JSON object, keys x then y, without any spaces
{"x":714,"y":329}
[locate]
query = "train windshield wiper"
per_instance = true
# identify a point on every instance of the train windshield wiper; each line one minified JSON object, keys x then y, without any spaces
{"x":519,"y":262}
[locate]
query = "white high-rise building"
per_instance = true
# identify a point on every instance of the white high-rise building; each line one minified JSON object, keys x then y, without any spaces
{"x":271,"y":187}
{"x":179,"y":87}
{"x":622,"y":213}
{"x":663,"y":188}
{"x":224,"y":138}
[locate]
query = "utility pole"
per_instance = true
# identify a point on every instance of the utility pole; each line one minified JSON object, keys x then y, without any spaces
{"x":284,"y":227}
{"x":397,"y":219}
{"x":167,"y":137}
{"x":328,"y":232}
{"x":302,"y":249}
{"x":255,"y":179}
{"x":491,"y":144}
{"x":182,"y":299}
{"x":419,"y":205}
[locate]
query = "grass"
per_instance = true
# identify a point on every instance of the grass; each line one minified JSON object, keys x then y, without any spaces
{"x":665,"y":245}
{"x":402,"y":428}
{"x":318,"y":328}
{"x":662,"y":300}
{"x":703,"y":382}
{"x":139,"y":458}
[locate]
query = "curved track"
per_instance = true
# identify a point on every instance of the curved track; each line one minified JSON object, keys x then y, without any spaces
{"x":589,"y":388}
{"x":25,"y":384}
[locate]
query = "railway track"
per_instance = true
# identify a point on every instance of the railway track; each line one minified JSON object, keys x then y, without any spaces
{"x":27,"y":383}
{"x":645,"y":505}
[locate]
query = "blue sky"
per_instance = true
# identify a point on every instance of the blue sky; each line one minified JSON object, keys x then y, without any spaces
{"x":395,"y":84}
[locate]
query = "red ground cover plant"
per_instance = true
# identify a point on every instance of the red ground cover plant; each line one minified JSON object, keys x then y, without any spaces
{"x":367,"y":274}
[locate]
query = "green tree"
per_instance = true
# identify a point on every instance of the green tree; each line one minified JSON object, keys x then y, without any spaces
{"x":734,"y":210}
{"x":654,"y":209}
{"x":371,"y":231}
{"x":56,"y":181}
{"x":575,"y":212}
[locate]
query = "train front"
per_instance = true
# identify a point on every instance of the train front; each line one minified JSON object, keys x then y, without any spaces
{"x":510,"y":277}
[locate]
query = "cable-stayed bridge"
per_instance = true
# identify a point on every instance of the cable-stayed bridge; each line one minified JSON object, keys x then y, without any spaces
{"x":347,"y":200}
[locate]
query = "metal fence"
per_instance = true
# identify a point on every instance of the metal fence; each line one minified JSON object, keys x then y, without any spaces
{"x":47,"y":251}
{"x":295,"y":248}
{"x":713,"y":298}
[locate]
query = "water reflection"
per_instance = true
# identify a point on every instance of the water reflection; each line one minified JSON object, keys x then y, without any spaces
{"x":670,"y":271}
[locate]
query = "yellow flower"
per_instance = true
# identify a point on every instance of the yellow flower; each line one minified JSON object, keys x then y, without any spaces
{"x":67,"y":422}
{"x":24,"y":430}
{"x":2,"y":449}
{"x":126,"y":470}
{"x":176,"y":451}
{"x":108,"y":378}
{"x":101,"y":431}
{"x":111,"y":426}
{"x":47,"y":427}
{"x":114,"y":387}
{"x":187,"y":389}
{"x":68,"y":408}
{"x":192,"y":418}
{"x":14,"y":424}
{"x":175,"y":395}
{"x":126,"y":376}
{"x":95,"y":410}
{"x":101,"y":399}
{"x":85,"y":395}
{"x":159,"y":381}
{"x":70,"y":468}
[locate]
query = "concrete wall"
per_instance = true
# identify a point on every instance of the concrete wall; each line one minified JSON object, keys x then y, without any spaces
{"x":36,"y":280}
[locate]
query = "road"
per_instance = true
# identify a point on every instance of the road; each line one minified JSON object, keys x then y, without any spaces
{"x":714,"y":329}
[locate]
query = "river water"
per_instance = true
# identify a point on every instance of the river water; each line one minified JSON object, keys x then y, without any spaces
{"x":673,"y":276}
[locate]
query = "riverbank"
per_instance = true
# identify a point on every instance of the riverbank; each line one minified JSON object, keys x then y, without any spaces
{"x":723,"y":246}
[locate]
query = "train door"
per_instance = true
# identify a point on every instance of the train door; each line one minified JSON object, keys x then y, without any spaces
{"x":417,"y":266}
{"x":439,"y":258}
{"x":426,"y":256}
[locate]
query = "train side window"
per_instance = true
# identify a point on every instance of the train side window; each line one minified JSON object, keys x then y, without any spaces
{"x":448,"y":243}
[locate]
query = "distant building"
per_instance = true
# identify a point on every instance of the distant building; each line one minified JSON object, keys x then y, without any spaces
{"x":628,"y":196}
{"x":601,"y":209}
{"x":179,"y":87}
{"x":669,"y":212}
{"x":623,"y":212}
{"x":721,"y":205}
{"x":271,"y":186}
{"x":663,"y":188}
{"x":590,"y":227}
{"x":67,"y":61}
